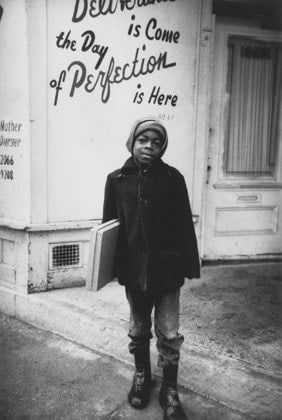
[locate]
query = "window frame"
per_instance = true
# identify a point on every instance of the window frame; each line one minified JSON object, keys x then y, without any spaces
{"x":227,"y":30}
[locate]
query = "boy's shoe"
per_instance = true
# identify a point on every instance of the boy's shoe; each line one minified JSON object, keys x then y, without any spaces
{"x":139,"y":395}
{"x":169,"y":401}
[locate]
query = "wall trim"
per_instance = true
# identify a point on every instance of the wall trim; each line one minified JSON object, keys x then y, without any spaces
{"x":37,"y":227}
{"x":48,"y":227}
{"x":261,"y":185}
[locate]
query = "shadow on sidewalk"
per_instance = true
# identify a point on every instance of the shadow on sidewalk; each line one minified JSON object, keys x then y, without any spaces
{"x":235,"y":310}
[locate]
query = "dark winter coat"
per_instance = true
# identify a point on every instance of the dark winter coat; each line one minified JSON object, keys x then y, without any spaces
{"x":157,"y":245}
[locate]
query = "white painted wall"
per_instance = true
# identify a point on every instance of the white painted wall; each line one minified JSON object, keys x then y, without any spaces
{"x":86,"y":137}
{"x":14,"y":109}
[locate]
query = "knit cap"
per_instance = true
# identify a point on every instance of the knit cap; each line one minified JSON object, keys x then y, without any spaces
{"x":146,"y":124}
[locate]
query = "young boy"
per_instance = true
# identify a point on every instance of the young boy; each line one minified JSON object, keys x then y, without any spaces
{"x":156,"y":249}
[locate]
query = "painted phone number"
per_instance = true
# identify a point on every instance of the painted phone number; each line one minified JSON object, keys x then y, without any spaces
{"x":6,"y":174}
{"x":6,"y":160}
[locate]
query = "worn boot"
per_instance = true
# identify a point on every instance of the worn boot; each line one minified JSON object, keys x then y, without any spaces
{"x":168,"y":397}
{"x":139,"y":395}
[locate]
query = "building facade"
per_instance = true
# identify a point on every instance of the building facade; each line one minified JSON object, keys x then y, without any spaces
{"x":75,"y":75}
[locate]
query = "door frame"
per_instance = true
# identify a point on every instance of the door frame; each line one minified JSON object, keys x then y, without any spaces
{"x":217,"y":119}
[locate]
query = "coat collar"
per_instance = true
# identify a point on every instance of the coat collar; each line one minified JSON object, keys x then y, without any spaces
{"x":130,"y":166}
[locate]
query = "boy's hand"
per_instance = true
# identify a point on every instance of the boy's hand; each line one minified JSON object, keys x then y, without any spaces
{"x":194,"y":276}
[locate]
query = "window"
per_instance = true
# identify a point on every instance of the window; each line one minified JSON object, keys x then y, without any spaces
{"x":254,"y":88}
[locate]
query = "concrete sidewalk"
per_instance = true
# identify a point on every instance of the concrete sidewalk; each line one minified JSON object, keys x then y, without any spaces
{"x":230,"y":320}
{"x":44,"y":376}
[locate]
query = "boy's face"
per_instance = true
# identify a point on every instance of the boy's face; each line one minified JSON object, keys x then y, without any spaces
{"x":147,"y":147}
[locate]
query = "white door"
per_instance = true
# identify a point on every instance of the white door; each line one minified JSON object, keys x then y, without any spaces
{"x":243,"y":191}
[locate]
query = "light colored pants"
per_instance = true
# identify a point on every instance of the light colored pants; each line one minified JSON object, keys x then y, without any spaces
{"x":166,"y":323}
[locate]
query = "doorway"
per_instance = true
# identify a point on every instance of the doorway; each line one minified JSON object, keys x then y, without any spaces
{"x":243,"y":186}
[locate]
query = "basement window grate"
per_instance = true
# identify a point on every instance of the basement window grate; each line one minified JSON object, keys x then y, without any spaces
{"x":65,"y":255}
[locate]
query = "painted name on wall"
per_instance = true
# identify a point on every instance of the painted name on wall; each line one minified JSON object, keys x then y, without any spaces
{"x":7,"y":160}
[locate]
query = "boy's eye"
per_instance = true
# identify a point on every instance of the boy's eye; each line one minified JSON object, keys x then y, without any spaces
{"x":157,"y":143}
{"x":143,"y":140}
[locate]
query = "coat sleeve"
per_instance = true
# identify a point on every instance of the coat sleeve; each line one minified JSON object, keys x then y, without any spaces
{"x":109,"y":207}
{"x":189,"y":242}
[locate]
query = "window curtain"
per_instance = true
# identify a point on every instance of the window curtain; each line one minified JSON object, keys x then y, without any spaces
{"x":254,"y":87}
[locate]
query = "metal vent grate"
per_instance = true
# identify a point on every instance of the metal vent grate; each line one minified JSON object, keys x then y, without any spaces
{"x":65,"y":255}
